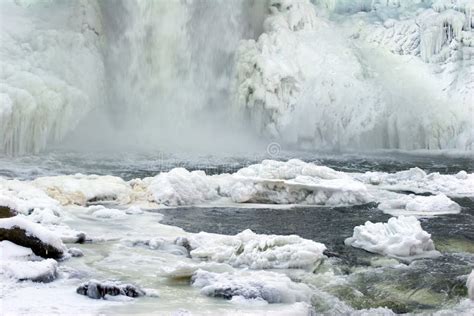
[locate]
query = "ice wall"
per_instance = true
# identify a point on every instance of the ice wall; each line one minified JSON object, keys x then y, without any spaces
{"x":362,"y":74}
{"x":51,"y":70}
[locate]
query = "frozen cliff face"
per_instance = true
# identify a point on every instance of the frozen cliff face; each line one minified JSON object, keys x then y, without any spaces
{"x":362,"y":74}
{"x":51,"y":70}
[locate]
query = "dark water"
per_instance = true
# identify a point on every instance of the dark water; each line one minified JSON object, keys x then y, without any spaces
{"x":131,"y":165}
{"x":422,"y":286}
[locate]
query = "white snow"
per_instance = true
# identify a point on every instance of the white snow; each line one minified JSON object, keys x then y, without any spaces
{"x":420,"y":205}
{"x":34,"y":230}
{"x":254,"y":251}
{"x":251,"y":285}
{"x":401,"y":237}
{"x":102,"y":212}
{"x":418,"y":181}
{"x":80,"y":189}
{"x":11,"y":251}
{"x":181,"y":187}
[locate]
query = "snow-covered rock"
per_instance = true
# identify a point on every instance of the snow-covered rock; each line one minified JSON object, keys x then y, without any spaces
{"x":82,"y":189}
{"x":254,"y":251}
{"x":251,"y":285}
{"x":100,"y":290}
{"x":401,"y":237}
{"x":102,"y":212}
{"x":22,"y":232}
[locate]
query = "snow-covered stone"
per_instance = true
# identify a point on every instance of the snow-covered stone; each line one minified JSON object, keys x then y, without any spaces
{"x":102,"y":212}
{"x":401,"y":237}
{"x":251,"y":285}
{"x":100,"y":290}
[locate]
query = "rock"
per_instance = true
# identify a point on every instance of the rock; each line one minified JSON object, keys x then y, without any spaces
{"x":75,"y":252}
{"x":97,"y":290}
{"x":24,"y":233}
{"x":81,"y":238}
{"x":6,"y":212}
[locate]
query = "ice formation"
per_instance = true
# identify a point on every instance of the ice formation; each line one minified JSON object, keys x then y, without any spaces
{"x":401,"y":237}
{"x":254,"y":251}
{"x":251,"y":285}
{"x":82,"y":189}
{"x":418,"y":181}
{"x":470,"y":285}
{"x":16,"y":264}
{"x":420,"y":205}
{"x":326,"y":82}
{"x":52,"y":71}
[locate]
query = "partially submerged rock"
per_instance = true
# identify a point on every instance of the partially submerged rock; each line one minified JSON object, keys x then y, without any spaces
{"x":22,"y":232}
{"x":97,"y":290}
{"x":6,"y":212}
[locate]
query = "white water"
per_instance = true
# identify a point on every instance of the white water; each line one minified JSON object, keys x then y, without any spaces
{"x":174,"y":74}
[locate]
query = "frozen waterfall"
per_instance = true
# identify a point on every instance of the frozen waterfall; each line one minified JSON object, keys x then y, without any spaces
{"x":332,"y":74}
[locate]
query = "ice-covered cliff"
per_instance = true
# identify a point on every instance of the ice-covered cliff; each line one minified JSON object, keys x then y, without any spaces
{"x":362,"y":74}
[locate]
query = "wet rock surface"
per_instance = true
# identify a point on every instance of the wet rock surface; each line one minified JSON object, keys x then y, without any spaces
{"x":6,"y":212}
{"x":97,"y":290}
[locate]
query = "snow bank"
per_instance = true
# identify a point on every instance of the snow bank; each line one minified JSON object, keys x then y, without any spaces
{"x":254,"y":251}
{"x":418,"y":181}
{"x":251,"y":285}
{"x":401,"y":237}
{"x":420,"y":205}
{"x":82,"y":189}
{"x":51,"y":70}
{"x":470,"y":285}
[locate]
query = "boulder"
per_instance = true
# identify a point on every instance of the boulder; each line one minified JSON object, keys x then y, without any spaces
{"x":97,"y":290}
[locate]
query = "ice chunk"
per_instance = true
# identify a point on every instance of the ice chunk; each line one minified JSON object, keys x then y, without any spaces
{"x":251,"y":285}
{"x":102,"y":212}
{"x":37,"y":271}
{"x":82,"y":189}
{"x":181,"y":187}
{"x":401,"y":237}
{"x":417,"y":181}
{"x":420,"y":205}
{"x":186,"y":270}
{"x":254,"y":251}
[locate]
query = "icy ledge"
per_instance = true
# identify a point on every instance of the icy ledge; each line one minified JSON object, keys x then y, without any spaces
{"x":470,"y":285}
{"x":401,"y":237}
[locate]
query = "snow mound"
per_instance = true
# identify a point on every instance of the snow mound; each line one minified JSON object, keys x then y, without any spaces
{"x":418,"y":181}
{"x":181,"y":187}
{"x":82,"y":189}
{"x":401,"y":237}
{"x":24,"y":198}
{"x":254,"y":251}
{"x":251,"y":285}
{"x":15,"y":264}
{"x":470,"y":285}
{"x":420,"y":205}
{"x":102,"y":212}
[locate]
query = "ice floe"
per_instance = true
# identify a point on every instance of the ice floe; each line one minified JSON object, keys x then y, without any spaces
{"x":401,"y":237}
{"x":420,"y":205}
{"x":255,"y":251}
